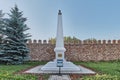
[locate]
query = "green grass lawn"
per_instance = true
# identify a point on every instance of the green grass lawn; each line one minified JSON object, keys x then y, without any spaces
{"x":105,"y":70}
{"x":6,"y":71}
{"x":112,"y":68}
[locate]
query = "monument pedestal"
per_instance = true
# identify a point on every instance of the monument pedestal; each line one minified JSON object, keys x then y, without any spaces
{"x":67,"y":67}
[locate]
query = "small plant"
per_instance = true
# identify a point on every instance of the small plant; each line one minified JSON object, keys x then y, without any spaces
{"x":18,"y":77}
{"x":45,"y":76}
{"x":102,"y":77}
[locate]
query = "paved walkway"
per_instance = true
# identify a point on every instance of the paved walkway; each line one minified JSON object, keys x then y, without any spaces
{"x":57,"y":77}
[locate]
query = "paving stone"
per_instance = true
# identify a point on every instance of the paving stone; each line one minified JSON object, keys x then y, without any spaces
{"x":57,"y":77}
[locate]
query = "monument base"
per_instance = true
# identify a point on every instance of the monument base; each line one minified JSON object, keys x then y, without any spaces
{"x":67,"y":67}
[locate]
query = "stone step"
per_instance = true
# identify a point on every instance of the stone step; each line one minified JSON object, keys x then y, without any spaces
{"x":57,"y":77}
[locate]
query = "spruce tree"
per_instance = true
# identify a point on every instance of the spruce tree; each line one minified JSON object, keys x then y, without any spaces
{"x":15,"y":35}
{"x":1,"y":30}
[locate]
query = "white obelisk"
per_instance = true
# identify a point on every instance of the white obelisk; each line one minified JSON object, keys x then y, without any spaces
{"x":59,"y":53}
{"x":59,"y":48}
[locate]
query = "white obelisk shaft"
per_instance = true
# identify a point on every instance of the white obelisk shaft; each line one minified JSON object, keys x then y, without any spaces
{"x":59,"y":48}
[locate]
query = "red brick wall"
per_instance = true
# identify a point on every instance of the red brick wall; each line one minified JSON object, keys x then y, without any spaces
{"x":80,"y":51}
